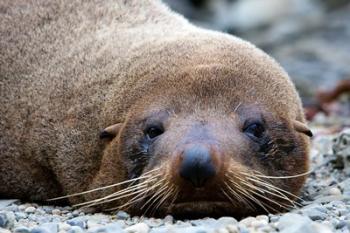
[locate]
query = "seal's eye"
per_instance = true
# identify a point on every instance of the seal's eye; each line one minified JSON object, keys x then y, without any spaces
{"x":153,"y":131}
{"x":255,"y":129}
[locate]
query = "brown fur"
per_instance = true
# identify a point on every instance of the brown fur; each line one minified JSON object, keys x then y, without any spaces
{"x":71,"y":68}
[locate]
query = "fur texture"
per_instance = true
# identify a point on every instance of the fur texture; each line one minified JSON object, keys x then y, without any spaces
{"x":69,"y":69}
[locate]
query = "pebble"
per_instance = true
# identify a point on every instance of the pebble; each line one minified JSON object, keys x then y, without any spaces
{"x":138,"y":228}
{"x":168,"y":219}
{"x":334,"y":191}
{"x":6,"y":202}
{"x":78,"y":221}
{"x":30,"y":209}
{"x":75,"y":229}
{"x":56,"y":211}
{"x":21,"y":230}
{"x":315,"y":214}
{"x":4,"y":230}
{"x":46,"y":228}
{"x":122,"y":215}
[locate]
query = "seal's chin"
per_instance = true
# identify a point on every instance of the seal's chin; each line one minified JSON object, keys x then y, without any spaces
{"x":200,"y":209}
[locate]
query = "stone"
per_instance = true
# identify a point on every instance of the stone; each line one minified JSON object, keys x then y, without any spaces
{"x":78,"y":221}
{"x":30,"y":209}
{"x":168,"y":219}
{"x":75,"y":229}
{"x":6,"y":202}
{"x":46,"y":228}
{"x":138,"y":228}
{"x":315,"y":214}
{"x":2,"y":230}
{"x":21,"y":230}
{"x":7,"y":219}
{"x":56,"y":211}
{"x":226,"y":221}
{"x":3,"y":220}
{"x":334,"y":191}
{"x":294,"y":223}
{"x":247,"y":221}
{"x":154,"y":222}
{"x":122,"y":215}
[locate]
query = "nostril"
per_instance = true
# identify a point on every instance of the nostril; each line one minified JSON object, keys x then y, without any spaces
{"x":197,"y":166}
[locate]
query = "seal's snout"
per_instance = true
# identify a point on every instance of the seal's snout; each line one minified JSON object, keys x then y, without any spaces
{"x":197,"y":165}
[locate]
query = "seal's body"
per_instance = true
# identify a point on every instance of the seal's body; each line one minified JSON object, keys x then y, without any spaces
{"x":194,"y":116}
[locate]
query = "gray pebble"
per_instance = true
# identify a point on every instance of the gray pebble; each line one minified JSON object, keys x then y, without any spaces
{"x":20,"y":215}
{"x":22,"y":230}
{"x":75,"y":229}
{"x":78,"y":221}
{"x":315,"y":214}
{"x":30,"y":209}
{"x":154,"y":222}
{"x":7,"y":202}
{"x":3,"y":220}
{"x":7,"y":219}
{"x":122,"y":215}
{"x":223,"y":221}
{"x":46,"y":228}
{"x":138,"y":228}
{"x":169,"y":219}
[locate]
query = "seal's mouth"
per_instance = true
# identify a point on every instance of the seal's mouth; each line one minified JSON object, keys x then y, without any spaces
{"x":199,"y":209}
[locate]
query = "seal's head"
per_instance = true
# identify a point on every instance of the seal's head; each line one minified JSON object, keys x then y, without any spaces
{"x":222,"y":136}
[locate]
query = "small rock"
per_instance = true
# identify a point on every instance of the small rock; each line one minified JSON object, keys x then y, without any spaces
{"x":315,"y":214}
{"x":56,"y":211}
{"x":3,"y":220}
{"x":7,"y":202}
{"x":122,"y":215}
{"x":334,"y":191}
{"x":226,"y":221}
{"x":78,"y":221}
{"x":247,"y":221}
{"x":7,"y":219}
{"x":154,"y":222}
{"x":168,"y":219}
{"x":232,"y":228}
{"x":109,"y":228}
{"x":46,"y":228}
{"x":64,"y":226}
{"x":4,"y":230}
{"x":30,"y":209}
{"x":75,"y":229}
{"x":21,"y":230}
{"x":138,"y":228}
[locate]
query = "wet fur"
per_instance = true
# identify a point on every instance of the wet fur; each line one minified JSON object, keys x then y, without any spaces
{"x":68,"y":69}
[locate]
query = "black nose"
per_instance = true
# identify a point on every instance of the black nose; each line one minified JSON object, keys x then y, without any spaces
{"x":197,"y":166}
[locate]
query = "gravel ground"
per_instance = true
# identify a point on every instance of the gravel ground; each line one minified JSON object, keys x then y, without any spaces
{"x":326,"y":206}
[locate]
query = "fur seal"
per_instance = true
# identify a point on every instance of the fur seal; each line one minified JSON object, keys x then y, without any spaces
{"x":195,"y":122}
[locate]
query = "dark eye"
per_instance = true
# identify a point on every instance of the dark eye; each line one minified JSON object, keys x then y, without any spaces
{"x":255,"y":129}
{"x":153,"y":131}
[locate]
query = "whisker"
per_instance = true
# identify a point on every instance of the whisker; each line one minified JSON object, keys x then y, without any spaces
{"x":251,"y":185}
{"x":137,"y":198}
{"x":274,"y":187}
{"x":146,"y":175}
{"x":243,"y":195}
{"x":116,"y":198}
{"x":154,"y":197}
{"x":268,"y":199}
{"x":284,"y":177}
{"x":123,"y":191}
{"x":248,"y":195}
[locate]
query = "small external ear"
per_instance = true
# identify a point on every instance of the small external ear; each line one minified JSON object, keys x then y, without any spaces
{"x":302,"y":128}
{"x":111,"y":131}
